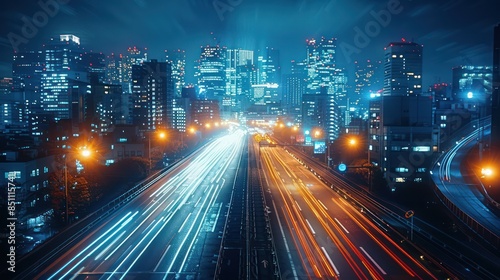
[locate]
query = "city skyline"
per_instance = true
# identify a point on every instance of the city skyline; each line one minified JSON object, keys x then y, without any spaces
{"x":451,"y":34}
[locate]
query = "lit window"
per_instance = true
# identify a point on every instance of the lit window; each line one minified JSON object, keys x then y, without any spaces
{"x":401,"y":169}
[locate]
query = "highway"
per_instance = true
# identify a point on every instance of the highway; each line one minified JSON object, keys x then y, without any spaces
{"x":323,"y":236}
{"x":448,"y":177}
{"x":169,"y":231}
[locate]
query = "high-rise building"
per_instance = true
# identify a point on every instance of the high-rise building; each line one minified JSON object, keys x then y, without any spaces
{"x":153,"y":95}
{"x":401,"y":129}
{"x":368,"y":79}
{"x":12,"y":107}
{"x":211,"y":72}
{"x":247,"y":78}
{"x":321,"y":111}
{"x":177,"y":58}
{"x":64,"y":61}
{"x":403,"y":69}
{"x":401,"y":137}
{"x":114,"y":69}
{"x":95,"y":63}
{"x":294,"y":87}
{"x":237,"y":64}
{"x":204,"y":111}
{"x":323,"y":75}
{"x":105,"y":107}
{"x":495,"y":109}
{"x":134,"y":56}
{"x":268,"y":66}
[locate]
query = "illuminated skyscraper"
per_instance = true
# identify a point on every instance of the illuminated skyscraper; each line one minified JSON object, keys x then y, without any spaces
{"x":134,"y":56}
{"x":210,"y":72}
{"x":323,"y":76}
{"x":368,"y":80}
{"x":268,"y":66}
{"x":403,"y":69}
{"x":153,"y":95}
{"x":211,"y":75}
{"x":401,"y":121}
{"x":64,"y":62}
{"x":177,"y":58}
{"x":27,"y":70}
{"x":238,"y":63}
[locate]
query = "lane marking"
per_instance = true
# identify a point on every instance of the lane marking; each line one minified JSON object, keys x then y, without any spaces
{"x":341,"y":225}
{"x":161,"y":259}
{"x":330,"y":261}
{"x":185,"y":221}
{"x":312,"y":230}
{"x":322,"y":205}
{"x":298,"y":205}
{"x":373,"y":261}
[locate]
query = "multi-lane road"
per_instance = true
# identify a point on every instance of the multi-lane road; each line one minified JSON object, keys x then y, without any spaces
{"x":162,"y":234}
{"x":324,"y":236}
{"x":231,"y":213}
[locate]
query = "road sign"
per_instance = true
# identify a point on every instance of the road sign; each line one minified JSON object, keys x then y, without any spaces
{"x":342,"y":167}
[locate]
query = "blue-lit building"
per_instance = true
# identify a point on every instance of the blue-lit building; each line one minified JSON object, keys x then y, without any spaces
{"x":401,"y":125}
{"x":64,"y":61}
{"x":211,"y":76}
{"x":268,"y":66}
{"x":30,"y":177}
{"x":177,"y":58}
{"x":211,"y":72}
{"x":238,"y":62}
{"x":153,"y":95}
{"x":320,"y":111}
{"x":403,"y":69}
{"x":368,"y":79}
{"x":324,"y":77}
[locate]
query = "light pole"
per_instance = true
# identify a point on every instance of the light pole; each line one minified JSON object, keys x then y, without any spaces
{"x":161,"y":135}
{"x":409,"y":215}
{"x":353,"y":142}
{"x":85,"y":153}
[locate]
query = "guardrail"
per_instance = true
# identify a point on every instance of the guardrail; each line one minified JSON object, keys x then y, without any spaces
{"x":32,"y":262}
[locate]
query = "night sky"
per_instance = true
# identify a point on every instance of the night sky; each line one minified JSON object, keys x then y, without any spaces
{"x":453,"y":32}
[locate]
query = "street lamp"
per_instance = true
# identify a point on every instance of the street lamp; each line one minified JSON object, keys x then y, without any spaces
{"x":409,"y":215}
{"x":353,"y":142}
{"x":161,"y":135}
{"x":85,"y":153}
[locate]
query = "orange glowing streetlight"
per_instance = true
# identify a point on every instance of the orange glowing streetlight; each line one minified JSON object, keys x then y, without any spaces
{"x":352,"y":141}
{"x":317,"y":133}
{"x":84,"y":152}
{"x":160,"y":135}
{"x":486,"y":172}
